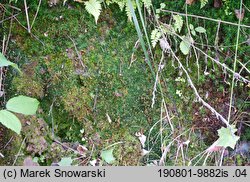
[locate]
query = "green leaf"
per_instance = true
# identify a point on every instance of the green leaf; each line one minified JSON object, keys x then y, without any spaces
{"x":10,"y":121}
{"x":107,"y":155}
{"x":22,"y":104}
{"x":178,"y":22}
{"x":94,"y":8}
{"x":193,"y":32}
{"x":227,"y":138}
{"x":147,"y":4}
{"x":191,"y":26}
{"x":155,"y":37}
{"x":185,"y":45}
{"x":5,"y":62}
{"x":200,"y":29}
{"x":162,"y":5}
{"x":66,"y":161}
{"x":203,"y":3}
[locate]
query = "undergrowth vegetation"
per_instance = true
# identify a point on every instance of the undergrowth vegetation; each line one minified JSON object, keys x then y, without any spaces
{"x":127,"y":82}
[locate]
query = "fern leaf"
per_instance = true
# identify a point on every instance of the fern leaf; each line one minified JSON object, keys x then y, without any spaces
{"x":178,"y":22}
{"x":147,"y":4}
{"x":94,"y":8}
{"x":203,"y":3}
{"x":128,"y":12}
{"x":155,"y":37}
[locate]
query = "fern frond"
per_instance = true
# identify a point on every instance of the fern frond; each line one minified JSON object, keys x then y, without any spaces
{"x":147,"y":4}
{"x":128,"y":12}
{"x":94,"y":8}
{"x":178,"y":22}
{"x":155,"y":37}
{"x":203,"y":3}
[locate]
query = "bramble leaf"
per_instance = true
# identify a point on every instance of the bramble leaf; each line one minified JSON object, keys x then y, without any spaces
{"x":23,"y":104}
{"x":10,"y":121}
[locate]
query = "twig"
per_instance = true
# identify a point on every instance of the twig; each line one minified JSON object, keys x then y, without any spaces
{"x":157,"y":79}
{"x":52,"y":119}
{"x":218,"y":115}
{"x":8,"y":142}
{"x":19,"y":151}
{"x":234,"y":66}
{"x":27,"y":16}
{"x":206,"y":18}
{"x":77,"y":52}
{"x":1,"y":155}
{"x":36,"y":13}
{"x":9,"y":18}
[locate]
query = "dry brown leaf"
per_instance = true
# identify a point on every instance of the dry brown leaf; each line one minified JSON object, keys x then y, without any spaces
{"x":190,"y":2}
{"x":29,"y":162}
{"x":238,"y":14}
{"x":217,"y":3}
{"x":81,"y":149}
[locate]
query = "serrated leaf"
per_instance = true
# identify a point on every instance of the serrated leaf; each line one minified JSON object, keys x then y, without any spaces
{"x":128,"y":11}
{"x":185,"y":46}
{"x":178,"y":22}
{"x":66,"y":161}
{"x":107,"y":155}
{"x":200,"y":29}
{"x":147,"y":4}
{"x":155,"y":37}
{"x":10,"y":121}
{"x":203,"y":3}
{"x":227,"y":138}
{"x":93,"y":7}
{"x":23,"y":105}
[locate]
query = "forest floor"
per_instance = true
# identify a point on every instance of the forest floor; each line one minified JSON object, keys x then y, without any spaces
{"x":95,"y":91}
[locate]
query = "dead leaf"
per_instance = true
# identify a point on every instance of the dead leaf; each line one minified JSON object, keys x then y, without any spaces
{"x":29,"y":162}
{"x":142,"y":138}
{"x":189,"y":2}
{"x":93,"y":162}
{"x":239,"y":15}
{"x":117,"y":94}
{"x":79,"y":1}
{"x":214,"y":147}
{"x":217,"y":3}
{"x":108,"y":118}
{"x":144,"y":152}
{"x":81,"y":149}
{"x":164,"y":44}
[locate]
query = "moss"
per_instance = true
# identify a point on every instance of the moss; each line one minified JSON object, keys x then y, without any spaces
{"x":10,"y":144}
{"x":76,"y":102}
{"x":101,"y":85}
{"x":25,"y":85}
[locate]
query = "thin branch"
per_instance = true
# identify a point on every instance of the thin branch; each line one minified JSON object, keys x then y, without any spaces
{"x":77,"y":52}
{"x":206,"y":18}
{"x":36,"y":13}
{"x":235,"y":63}
{"x":218,"y":115}
{"x":13,"y":16}
{"x":27,"y":16}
